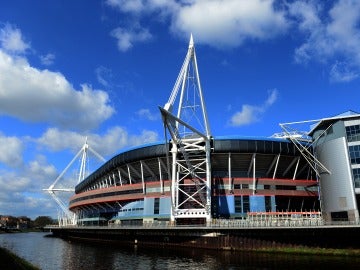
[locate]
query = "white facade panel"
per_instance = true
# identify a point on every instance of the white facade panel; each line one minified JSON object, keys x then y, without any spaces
{"x":337,"y":188}
{"x":352,"y":122}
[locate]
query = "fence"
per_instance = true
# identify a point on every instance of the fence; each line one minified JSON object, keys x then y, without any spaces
{"x":255,"y":219}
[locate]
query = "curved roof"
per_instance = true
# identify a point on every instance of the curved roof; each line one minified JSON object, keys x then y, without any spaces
{"x":253,"y":145}
{"x":234,"y":144}
{"x":136,"y":153}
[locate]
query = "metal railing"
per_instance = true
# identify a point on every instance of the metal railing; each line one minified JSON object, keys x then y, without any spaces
{"x":253,"y":220}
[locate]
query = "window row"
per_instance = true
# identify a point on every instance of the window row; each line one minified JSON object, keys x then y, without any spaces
{"x":353,"y":133}
{"x":242,"y":204}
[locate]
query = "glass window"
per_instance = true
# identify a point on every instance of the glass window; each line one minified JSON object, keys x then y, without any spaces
{"x":356,"y":174}
{"x":354,"y":152}
{"x":268,"y":203}
{"x":238,"y":206}
{"x":353,"y":133}
{"x":246,"y":204}
{"x":156,"y":206}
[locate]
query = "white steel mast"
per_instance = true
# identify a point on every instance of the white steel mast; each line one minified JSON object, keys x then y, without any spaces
{"x":83,"y":172}
{"x":190,"y":144}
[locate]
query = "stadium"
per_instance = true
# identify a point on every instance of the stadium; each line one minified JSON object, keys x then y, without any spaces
{"x":248,"y":175}
{"x":193,"y":178}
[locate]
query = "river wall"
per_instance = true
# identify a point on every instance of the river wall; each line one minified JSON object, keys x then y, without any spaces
{"x":339,"y":237}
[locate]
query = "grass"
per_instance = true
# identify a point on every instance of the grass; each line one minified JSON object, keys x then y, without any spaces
{"x":9,"y":260}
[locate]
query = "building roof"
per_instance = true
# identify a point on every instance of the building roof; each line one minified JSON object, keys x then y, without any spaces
{"x":233,"y":144}
{"x":325,"y":121}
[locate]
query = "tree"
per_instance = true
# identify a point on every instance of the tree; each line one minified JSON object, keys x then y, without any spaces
{"x":42,"y":221}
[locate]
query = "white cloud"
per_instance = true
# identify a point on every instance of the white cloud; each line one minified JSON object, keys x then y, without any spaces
{"x":11,"y":150}
{"x":127,"y":6}
{"x":107,"y":144}
{"x":40,"y":169}
{"x":145,"y":113}
{"x":333,"y":36}
{"x":140,"y":7}
{"x":318,"y":44}
{"x":104,"y":76}
{"x":55,"y":139}
{"x":247,"y":115}
{"x":43,"y":96}
{"x":27,"y":204}
{"x":21,"y":189}
{"x":11,"y":182}
{"x":13,"y":193}
{"x":11,"y":40}
{"x":47,"y":59}
{"x":273,"y":95}
{"x":331,"y":30}
{"x":250,"y":114}
{"x":126,"y":38}
{"x":228,"y":23}
{"x":341,"y":72}
{"x":217,"y":23}
{"x":30,"y":177}
{"x":41,"y":175}
{"x":37,"y":95}
{"x":307,"y":12}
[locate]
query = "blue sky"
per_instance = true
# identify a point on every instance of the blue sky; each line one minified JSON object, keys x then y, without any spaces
{"x":71,"y":69}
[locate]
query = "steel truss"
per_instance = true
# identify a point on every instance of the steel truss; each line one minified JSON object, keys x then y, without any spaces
{"x":67,"y":217}
{"x":190,"y":144}
{"x":303,"y":143}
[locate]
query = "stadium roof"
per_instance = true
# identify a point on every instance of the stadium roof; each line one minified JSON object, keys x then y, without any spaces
{"x":233,"y":144}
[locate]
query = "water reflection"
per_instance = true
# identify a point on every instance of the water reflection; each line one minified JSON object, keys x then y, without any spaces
{"x":53,"y":253}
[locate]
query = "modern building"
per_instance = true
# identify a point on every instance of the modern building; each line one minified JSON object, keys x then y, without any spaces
{"x":195,"y":178}
{"x":336,"y":144}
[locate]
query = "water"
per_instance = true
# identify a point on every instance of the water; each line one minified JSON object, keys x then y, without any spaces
{"x":50,"y":253}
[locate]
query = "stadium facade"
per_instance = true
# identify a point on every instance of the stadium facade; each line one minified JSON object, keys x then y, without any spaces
{"x":248,"y":175}
{"x":195,"y":178}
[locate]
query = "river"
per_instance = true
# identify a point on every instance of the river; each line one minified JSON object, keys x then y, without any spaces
{"x":51,"y":253}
